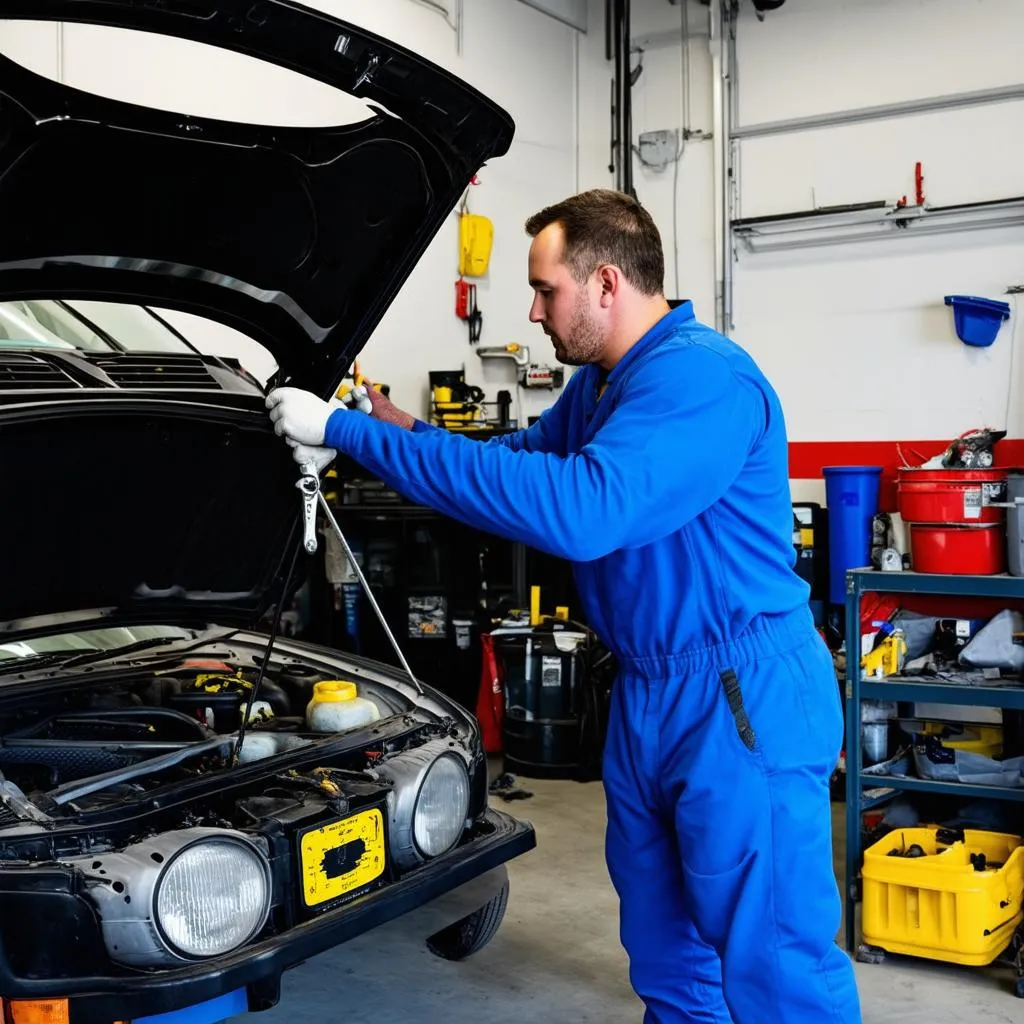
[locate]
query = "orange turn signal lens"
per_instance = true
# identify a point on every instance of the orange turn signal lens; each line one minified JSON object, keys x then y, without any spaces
{"x":38,"y":1011}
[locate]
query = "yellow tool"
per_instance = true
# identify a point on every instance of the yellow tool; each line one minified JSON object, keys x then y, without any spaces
{"x":358,"y":380}
{"x":887,"y":658}
{"x":455,"y":405}
{"x":537,"y":616}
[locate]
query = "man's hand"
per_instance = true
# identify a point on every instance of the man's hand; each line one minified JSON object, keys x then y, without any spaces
{"x":383,"y":409}
{"x":358,"y":399}
{"x":320,"y":458}
{"x":299,"y":416}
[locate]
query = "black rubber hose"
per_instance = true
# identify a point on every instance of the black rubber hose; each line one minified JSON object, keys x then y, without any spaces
{"x":275,"y":627}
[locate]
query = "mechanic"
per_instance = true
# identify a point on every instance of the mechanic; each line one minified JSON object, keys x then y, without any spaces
{"x":661,"y":472}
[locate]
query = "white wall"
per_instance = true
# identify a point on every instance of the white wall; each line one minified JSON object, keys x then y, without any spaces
{"x":673,"y":79}
{"x":520,"y":57}
{"x":857,"y":337}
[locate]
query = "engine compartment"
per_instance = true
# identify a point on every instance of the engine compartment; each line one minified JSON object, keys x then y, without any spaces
{"x":96,"y":764}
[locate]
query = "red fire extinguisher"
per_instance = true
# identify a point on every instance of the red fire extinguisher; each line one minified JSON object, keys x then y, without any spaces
{"x":466,"y":308}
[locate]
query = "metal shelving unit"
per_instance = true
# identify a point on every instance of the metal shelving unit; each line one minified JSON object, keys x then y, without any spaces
{"x":864,"y":792}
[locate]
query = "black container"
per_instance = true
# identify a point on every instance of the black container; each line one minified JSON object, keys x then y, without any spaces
{"x":543,"y":679}
{"x":297,"y":682}
{"x":226,"y":707}
{"x":225,"y":695}
{"x":810,"y":538}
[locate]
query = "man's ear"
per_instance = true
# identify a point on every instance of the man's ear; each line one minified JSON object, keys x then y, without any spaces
{"x":610,"y":280}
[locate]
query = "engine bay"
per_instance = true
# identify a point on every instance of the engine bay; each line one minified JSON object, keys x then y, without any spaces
{"x":157,"y":749}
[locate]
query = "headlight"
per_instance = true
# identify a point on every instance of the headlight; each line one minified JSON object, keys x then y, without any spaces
{"x":181,"y":896}
{"x":212,"y":897}
{"x":429,"y":801}
{"x":441,"y":807}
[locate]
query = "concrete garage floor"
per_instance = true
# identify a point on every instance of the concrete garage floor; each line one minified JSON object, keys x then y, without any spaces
{"x":558,"y":958}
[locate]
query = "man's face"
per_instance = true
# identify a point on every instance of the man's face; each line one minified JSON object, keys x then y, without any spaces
{"x":565,"y":309}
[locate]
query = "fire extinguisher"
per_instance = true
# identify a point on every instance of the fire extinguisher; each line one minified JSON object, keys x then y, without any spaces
{"x":467,"y":310}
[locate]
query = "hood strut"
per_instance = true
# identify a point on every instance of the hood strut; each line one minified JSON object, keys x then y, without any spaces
{"x":310,"y":486}
{"x":369,"y":593}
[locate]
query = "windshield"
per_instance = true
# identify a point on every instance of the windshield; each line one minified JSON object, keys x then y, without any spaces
{"x":86,"y":326}
{"x":91,"y":640}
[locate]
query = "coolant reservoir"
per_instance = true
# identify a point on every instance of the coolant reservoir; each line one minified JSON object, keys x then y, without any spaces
{"x":337,"y":707}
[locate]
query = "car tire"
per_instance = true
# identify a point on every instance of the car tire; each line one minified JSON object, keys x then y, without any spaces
{"x":468,"y":936}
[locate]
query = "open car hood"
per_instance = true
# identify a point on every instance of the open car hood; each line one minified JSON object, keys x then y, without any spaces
{"x":126,"y":501}
{"x":298,"y":237}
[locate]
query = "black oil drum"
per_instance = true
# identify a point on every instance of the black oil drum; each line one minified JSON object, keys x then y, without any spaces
{"x":543,"y":672}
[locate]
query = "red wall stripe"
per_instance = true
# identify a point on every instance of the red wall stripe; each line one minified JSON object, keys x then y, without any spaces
{"x":808,"y":458}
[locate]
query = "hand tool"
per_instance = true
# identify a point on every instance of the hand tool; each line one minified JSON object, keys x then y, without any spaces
{"x":309,"y":485}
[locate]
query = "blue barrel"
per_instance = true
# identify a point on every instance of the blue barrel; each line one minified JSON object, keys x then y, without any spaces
{"x":851,"y":496}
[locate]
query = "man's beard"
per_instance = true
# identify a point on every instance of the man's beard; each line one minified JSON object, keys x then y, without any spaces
{"x":583,"y":342}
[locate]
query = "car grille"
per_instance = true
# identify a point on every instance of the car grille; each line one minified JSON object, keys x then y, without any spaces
{"x":133,"y":370}
{"x":20,"y":371}
{"x":8,"y":817}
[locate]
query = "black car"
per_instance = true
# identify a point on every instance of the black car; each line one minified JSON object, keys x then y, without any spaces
{"x":176,"y":830}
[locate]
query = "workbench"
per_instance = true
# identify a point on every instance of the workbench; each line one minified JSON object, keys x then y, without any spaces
{"x":864,"y":792}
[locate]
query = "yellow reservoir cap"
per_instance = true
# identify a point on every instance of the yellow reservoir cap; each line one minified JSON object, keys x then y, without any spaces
{"x":332,"y":691}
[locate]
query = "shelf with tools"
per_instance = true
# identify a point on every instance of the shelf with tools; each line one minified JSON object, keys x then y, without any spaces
{"x":868,"y":789}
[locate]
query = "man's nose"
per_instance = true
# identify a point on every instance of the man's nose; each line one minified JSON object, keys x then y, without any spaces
{"x":536,"y":310}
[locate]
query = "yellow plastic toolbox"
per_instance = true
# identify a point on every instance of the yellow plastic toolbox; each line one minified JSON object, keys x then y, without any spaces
{"x":958,"y":897}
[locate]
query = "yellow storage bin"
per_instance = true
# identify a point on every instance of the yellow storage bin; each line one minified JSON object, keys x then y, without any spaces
{"x":939,"y":906}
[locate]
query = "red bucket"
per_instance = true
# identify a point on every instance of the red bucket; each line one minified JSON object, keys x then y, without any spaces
{"x":958,"y":550}
{"x":951,"y":495}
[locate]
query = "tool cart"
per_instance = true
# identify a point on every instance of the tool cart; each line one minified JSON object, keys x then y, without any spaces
{"x":957,"y":907}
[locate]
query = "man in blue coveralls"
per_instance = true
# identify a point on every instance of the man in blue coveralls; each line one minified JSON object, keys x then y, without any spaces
{"x":662,"y":473}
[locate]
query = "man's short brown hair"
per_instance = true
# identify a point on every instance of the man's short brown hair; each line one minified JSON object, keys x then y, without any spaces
{"x":605,"y":226}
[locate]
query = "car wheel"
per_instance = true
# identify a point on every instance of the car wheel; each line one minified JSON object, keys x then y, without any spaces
{"x":468,"y":936}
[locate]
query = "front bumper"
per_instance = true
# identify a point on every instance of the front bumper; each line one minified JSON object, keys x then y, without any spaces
{"x":439,"y":894}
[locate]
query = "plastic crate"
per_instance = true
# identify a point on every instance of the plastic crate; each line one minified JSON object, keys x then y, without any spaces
{"x":940,"y":906}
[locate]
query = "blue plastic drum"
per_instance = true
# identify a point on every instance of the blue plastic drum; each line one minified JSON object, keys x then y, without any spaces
{"x":851,"y":496}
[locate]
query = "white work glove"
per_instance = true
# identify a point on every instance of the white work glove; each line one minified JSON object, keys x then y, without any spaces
{"x":359,"y":399}
{"x":309,"y":455}
{"x":299,"y":415}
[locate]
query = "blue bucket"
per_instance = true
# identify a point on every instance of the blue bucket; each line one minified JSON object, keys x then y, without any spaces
{"x":977,"y":320}
{"x":851,"y":496}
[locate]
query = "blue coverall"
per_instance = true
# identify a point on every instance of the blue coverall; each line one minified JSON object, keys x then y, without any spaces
{"x":669,"y":492}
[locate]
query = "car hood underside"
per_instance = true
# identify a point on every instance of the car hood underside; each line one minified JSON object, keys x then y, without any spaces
{"x":298,"y":237}
{"x":175,"y":502}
